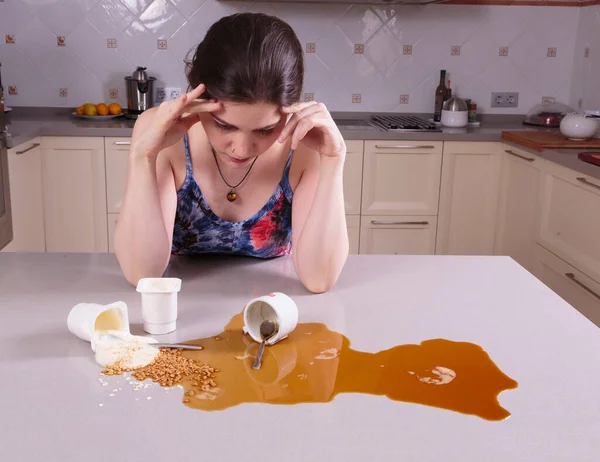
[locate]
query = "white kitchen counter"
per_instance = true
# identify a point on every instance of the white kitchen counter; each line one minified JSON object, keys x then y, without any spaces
{"x":51,"y":391}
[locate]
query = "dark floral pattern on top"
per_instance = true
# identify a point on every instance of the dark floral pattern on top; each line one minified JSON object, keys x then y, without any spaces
{"x":199,"y":231}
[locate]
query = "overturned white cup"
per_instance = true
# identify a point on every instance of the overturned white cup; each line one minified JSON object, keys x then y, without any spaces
{"x":159,"y":304}
{"x":275,"y":306}
{"x":89,"y":321}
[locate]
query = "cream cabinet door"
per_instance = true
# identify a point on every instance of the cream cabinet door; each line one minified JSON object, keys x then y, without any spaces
{"x":112,"y":225}
{"x":117,"y":155}
{"x":518,"y":205}
{"x":27,"y":198}
{"x":74,"y":183}
{"x":353,"y":168}
{"x":580,"y":291}
{"x":401,"y":178}
{"x":398,"y":235}
{"x":353,"y":226}
{"x":469,"y":198}
{"x":569,"y":220}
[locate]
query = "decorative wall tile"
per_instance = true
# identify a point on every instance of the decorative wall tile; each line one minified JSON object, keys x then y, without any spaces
{"x":551,"y":53}
{"x":334,"y":48}
{"x":309,"y":97}
{"x":9,"y":39}
{"x":359,"y":48}
{"x":12,"y":90}
{"x":61,"y":41}
{"x":63,"y":92}
{"x":161,"y":44}
{"x":356,"y":98}
{"x":404,"y":99}
{"x":455,"y":51}
{"x":311,"y":48}
{"x":111,"y":43}
{"x":407,"y":50}
{"x":113,"y":93}
{"x":503,"y":51}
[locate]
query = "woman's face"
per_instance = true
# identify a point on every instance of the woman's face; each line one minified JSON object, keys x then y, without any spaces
{"x":239,"y":131}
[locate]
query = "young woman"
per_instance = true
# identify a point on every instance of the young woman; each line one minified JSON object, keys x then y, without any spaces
{"x":238,"y":165}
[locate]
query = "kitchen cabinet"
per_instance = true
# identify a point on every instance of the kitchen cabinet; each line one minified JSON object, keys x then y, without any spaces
{"x":27,"y":198}
{"x":518,"y":205}
{"x":398,"y":235}
{"x":582,"y":292}
{"x":568,"y":224}
{"x":74,"y":183}
{"x":353,"y":168}
{"x":117,"y":155}
{"x":401,"y":178}
{"x":353,"y":227}
{"x":469,"y":198}
{"x":112,"y":225}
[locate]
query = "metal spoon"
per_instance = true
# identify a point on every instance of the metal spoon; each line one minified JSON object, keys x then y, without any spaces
{"x":183,"y":346}
{"x":268,"y":329}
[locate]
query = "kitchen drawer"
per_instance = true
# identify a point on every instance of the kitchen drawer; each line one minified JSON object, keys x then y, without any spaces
{"x":117,"y":155}
{"x":353,"y":168}
{"x":353,"y":227}
{"x":401,"y":178}
{"x":569,"y":283}
{"x":398,"y":235}
{"x":569,"y":219}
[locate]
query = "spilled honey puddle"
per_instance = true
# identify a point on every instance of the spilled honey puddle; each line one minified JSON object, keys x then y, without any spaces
{"x":315,"y":364}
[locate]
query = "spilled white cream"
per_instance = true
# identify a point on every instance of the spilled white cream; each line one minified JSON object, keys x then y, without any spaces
{"x":129,"y":351}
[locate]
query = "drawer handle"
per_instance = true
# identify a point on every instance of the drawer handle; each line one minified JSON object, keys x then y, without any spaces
{"x":572,"y":277}
{"x":33,"y":146}
{"x":122,"y":143}
{"x":586,"y":181}
{"x":512,"y":153}
{"x":378,"y":222}
{"x":404,"y":146}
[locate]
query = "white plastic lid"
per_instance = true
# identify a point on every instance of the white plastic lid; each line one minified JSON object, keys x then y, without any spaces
{"x":159,"y":285}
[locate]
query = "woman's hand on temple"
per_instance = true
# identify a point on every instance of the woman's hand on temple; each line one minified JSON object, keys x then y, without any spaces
{"x":169,"y":124}
{"x":312,"y":124}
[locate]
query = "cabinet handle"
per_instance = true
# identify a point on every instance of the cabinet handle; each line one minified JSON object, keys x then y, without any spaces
{"x":122,"y":143}
{"x":572,"y":277}
{"x":404,"y":146}
{"x":378,"y":222}
{"x":512,"y":153}
{"x":586,"y":181}
{"x":33,"y":146}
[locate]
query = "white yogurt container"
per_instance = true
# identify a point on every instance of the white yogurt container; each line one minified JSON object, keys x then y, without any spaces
{"x":88,"y":321}
{"x":275,"y":306}
{"x":159,"y":304}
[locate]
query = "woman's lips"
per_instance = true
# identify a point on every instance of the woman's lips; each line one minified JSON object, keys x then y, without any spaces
{"x":236,"y":160}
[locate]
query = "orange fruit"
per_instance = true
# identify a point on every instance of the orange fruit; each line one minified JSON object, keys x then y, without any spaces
{"x":90,"y":110}
{"x":114,"y":108}
{"x":102,"y":109}
{"x":79,"y":110}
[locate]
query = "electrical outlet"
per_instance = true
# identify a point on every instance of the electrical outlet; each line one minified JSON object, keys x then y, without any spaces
{"x":161,"y":95}
{"x":506,"y":99}
{"x":173,"y":93}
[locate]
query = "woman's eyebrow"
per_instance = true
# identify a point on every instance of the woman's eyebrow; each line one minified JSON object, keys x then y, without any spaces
{"x":268,"y":127}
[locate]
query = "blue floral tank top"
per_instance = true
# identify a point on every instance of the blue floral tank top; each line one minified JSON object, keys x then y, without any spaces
{"x":199,"y":231}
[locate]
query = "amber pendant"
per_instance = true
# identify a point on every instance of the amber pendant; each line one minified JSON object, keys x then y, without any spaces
{"x":231,"y":196}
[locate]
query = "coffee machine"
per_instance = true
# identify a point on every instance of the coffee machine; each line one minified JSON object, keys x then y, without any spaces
{"x":140,"y":92}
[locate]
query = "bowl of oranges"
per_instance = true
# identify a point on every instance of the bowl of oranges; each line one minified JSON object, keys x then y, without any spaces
{"x":98,"y":111}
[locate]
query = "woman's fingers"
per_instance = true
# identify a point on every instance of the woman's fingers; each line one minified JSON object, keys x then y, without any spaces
{"x":306,"y":111}
{"x":202,"y":105}
{"x":297,"y":107}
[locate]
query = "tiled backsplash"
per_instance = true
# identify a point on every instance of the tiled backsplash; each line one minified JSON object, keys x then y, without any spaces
{"x":359,"y":57}
{"x":585,"y":87}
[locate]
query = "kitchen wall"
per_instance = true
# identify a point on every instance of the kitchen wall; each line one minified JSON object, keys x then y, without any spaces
{"x":68,"y":52}
{"x":585,"y":89}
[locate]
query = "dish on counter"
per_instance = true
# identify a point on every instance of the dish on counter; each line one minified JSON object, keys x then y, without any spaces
{"x":7,"y":109}
{"x":97,"y":117}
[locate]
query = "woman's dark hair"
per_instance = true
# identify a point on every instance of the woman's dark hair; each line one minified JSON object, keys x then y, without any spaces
{"x":249,"y":58}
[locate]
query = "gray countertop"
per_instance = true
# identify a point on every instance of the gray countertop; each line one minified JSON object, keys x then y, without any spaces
{"x":25,"y":124}
{"x":55,"y":405}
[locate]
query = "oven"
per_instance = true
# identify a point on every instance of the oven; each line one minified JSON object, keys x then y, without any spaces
{"x":6,"y":230}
